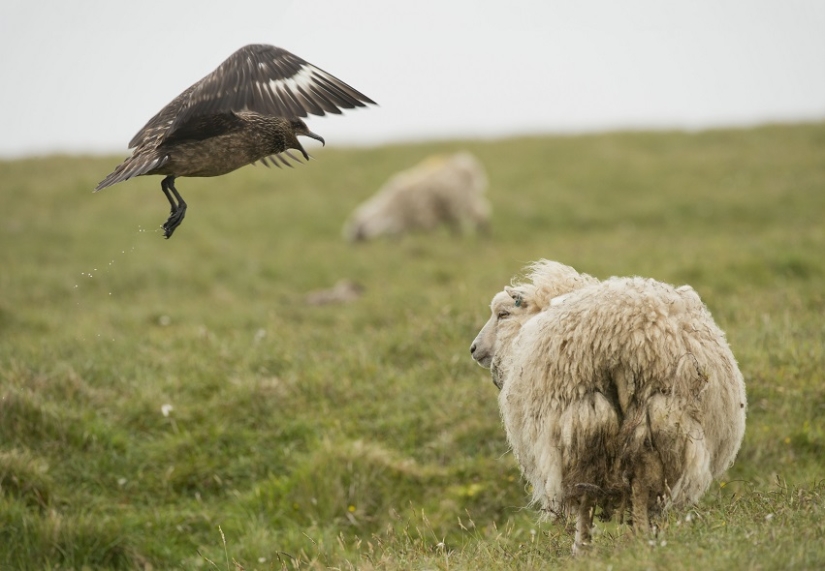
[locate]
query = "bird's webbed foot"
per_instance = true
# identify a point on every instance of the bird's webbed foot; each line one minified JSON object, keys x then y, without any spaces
{"x":173,"y":221}
{"x":178,"y":207}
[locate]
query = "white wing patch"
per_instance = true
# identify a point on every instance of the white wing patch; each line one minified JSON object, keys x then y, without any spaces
{"x":303,"y":79}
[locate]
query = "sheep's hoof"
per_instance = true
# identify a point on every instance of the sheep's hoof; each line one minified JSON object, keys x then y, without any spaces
{"x":581,"y":548}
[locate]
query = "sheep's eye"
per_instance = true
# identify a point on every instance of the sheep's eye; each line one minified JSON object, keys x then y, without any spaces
{"x":503,"y":314}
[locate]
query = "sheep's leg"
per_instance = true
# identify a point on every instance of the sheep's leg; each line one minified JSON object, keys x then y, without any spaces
{"x":454,"y":226}
{"x":584,"y":525}
{"x":639,"y":500}
{"x":623,"y":509}
{"x":483,"y":228}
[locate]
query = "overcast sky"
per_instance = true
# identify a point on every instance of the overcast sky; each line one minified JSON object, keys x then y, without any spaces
{"x":84,"y":76}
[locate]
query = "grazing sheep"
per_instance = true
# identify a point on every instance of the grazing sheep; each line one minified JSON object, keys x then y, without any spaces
{"x":439,"y":190}
{"x":614,"y":394}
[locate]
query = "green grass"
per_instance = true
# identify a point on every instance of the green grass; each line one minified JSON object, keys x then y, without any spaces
{"x":362,"y":436}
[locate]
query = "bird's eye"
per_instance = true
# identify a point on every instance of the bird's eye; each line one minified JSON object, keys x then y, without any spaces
{"x":503,"y":314}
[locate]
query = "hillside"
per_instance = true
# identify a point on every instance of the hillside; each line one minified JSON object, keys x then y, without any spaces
{"x":156,"y":395}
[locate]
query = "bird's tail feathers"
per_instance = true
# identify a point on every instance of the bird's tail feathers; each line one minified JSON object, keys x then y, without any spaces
{"x":135,"y":165}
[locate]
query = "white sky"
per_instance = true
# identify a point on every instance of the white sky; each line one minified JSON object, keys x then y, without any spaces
{"x":84,"y":75}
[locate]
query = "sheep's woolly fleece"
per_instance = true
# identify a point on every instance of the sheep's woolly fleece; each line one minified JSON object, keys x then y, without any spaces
{"x":616,"y":393}
{"x":440,"y":190}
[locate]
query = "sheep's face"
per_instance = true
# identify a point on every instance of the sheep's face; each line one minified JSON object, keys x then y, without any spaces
{"x":372,"y":219}
{"x":510,"y":309}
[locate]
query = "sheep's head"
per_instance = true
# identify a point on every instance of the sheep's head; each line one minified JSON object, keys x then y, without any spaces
{"x":510,"y":309}
{"x":375,"y":217}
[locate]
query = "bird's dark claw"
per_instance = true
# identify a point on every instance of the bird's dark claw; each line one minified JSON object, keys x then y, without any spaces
{"x":177,"y":204}
{"x":173,"y":221}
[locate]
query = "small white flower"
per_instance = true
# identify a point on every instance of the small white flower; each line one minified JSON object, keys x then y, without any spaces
{"x":166,"y":409}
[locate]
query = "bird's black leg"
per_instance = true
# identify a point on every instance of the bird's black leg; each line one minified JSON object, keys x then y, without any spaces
{"x":178,"y":208}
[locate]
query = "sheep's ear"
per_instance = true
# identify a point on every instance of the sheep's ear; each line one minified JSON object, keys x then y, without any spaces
{"x":518,"y":295}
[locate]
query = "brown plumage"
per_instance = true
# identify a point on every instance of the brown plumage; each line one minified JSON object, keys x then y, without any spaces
{"x":248,"y":109}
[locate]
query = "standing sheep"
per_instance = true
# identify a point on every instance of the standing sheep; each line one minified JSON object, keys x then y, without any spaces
{"x":439,"y":190}
{"x":614,"y":394}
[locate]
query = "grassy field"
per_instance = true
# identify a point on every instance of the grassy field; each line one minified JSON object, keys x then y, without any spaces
{"x":177,"y":405}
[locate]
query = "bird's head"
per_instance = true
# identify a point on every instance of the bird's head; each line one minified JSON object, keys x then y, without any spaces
{"x":298,"y":127}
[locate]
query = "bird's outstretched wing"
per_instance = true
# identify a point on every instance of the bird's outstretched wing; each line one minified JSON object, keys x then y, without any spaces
{"x":259,"y":78}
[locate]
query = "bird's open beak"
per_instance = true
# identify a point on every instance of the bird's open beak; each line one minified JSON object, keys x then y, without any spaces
{"x":313,"y":136}
{"x":316,"y":137}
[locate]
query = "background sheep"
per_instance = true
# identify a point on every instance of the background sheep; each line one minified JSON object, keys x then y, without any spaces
{"x":439,"y":190}
{"x":614,"y":394}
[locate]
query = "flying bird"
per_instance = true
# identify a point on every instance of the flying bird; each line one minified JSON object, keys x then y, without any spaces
{"x":248,"y":109}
